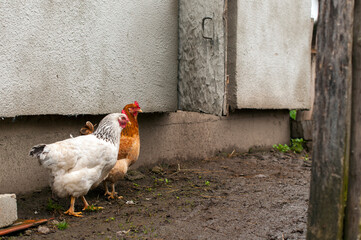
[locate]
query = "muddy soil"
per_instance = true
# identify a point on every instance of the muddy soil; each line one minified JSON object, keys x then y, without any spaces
{"x":262,"y":195}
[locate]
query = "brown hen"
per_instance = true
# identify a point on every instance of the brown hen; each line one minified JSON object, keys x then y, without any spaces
{"x":129,"y":147}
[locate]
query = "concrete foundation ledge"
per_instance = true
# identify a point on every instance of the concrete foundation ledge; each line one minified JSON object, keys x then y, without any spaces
{"x":164,"y":137}
{"x":8,"y":209}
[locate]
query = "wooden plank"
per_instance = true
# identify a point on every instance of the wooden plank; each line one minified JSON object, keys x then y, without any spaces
{"x":353,"y":215}
{"x":331,"y":120}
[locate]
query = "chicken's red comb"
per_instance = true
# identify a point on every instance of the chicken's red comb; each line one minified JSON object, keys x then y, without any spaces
{"x":126,"y":116}
{"x":136,"y":104}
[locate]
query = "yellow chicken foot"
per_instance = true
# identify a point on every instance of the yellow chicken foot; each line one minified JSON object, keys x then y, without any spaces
{"x":114,"y":193}
{"x":88,"y":207}
{"x":70,"y":211}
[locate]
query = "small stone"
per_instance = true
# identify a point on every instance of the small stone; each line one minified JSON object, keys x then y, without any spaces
{"x":134,"y":175}
{"x":157,"y":169}
{"x":131,"y":202}
{"x":122,"y":233}
{"x":260,"y":176}
{"x":55,"y":222}
{"x":43,"y":230}
{"x":28,"y":232}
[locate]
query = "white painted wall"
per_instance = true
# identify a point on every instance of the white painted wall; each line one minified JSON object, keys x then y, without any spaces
{"x":87,"y":57}
{"x":273,"y":55}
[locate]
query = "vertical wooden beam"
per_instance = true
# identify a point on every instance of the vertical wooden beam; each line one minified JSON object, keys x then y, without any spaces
{"x":331,"y":120}
{"x":353,"y":206}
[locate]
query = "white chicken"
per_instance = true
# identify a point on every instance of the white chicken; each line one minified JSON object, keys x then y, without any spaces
{"x":78,"y":164}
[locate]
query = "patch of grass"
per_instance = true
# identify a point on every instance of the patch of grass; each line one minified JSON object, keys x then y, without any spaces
{"x":207,"y":183}
{"x":110,"y":219}
{"x":282,"y":148}
{"x":161,"y":180}
{"x":62,"y":225}
{"x":296,"y":146}
{"x":51,"y":206}
{"x":293,"y":114}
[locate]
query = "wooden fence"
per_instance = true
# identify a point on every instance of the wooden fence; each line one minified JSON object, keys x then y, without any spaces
{"x":335,"y":195}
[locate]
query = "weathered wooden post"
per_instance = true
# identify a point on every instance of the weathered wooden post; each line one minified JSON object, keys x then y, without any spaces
{"x":353,"y":206}
{"x":332,"y":112}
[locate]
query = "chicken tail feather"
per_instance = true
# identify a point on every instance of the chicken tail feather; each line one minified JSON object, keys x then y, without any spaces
{"x":87,"y":129}
{"x":37,"y":150}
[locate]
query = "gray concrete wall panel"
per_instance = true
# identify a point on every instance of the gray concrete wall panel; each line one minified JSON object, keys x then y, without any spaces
{"x":87,"y":57}
{"x":201,"y":56}
{"x":272,"y":54}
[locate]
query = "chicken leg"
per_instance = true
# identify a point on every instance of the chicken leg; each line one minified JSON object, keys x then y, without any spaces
{"x":70,"y":211}
{"x":87,"y":206}
{"x":112,"y":194}
{"x":106,"y":189}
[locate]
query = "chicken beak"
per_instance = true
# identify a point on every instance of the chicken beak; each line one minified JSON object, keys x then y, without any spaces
{"x":140,"y":110}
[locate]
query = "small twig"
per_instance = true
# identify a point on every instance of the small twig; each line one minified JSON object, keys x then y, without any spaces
{"x":128,"y":219}
{"x":206,"y":196}
{"x":174,"y":190}
{"x":231,"y":155}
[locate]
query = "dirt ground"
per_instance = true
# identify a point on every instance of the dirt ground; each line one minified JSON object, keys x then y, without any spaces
{"x":261,"y":195}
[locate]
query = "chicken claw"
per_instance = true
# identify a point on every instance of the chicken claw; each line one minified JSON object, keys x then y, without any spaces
{"x":92,"y":208}
{"x":70,"y":211}
{"x":88,"y":207}
{"x":112,"y":194}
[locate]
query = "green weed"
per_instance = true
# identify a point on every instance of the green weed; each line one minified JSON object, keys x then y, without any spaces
{"x":110,"y":219}
{"x":62,"y":225}
{"x":282,"y":148}
{"x":296,"y":146}
{"x":293,"y":114}
{"x":51,"y":206}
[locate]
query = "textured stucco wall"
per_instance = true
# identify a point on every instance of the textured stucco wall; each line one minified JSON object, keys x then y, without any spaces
{"x":270,"y":43}
{"x":164,"y":136}
{"x":201,"y":59}
{"x":87,"y":57}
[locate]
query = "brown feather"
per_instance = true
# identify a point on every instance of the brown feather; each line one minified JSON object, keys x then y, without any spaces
{"x":129,"y":146}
